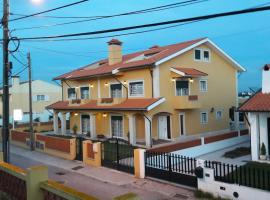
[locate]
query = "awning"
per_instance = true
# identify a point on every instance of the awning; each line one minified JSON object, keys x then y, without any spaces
{"x":188,"y":72}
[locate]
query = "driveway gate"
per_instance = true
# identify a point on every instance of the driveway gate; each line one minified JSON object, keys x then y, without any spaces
{"x":171,"y":167}
{"x":79,"y":148}
{"x":118,"y":154}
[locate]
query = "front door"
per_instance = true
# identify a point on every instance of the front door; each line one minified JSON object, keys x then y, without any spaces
{"x":117,"y":126}
{"x":182,"y":124}
{"x":164,"y":127}
{"x":268,"y":125}
{"x":86,"y":125}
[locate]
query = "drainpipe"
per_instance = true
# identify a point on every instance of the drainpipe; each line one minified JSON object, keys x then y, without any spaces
{"x":122,"y":85}
{"x":150,"y":129}
{"x":61,"y":88}
{"x":151,"y":73}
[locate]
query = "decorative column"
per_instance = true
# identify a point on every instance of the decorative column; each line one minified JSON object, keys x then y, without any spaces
{"x":93,"y":125}
{"x":55,"y":122}
{"x":63,"y":123}
{"x":132,"y":129}
{"x":148,"y":130}
{"x":254,"y":129}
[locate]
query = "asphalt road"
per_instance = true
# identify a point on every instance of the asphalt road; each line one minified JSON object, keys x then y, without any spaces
{"x":146,"y":189}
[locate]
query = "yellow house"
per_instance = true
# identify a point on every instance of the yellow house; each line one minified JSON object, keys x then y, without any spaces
{"x":162,"y":93}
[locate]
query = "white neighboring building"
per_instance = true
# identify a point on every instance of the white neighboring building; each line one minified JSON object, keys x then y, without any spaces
{"x":258,"y":109}
{"x":43,"y":94}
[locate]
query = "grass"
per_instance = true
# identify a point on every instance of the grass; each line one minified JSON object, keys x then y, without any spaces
{"x":238,"y":152}
{"x":206,"y":195}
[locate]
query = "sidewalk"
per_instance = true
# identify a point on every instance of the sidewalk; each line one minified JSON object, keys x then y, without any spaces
{"x":147,"y":189}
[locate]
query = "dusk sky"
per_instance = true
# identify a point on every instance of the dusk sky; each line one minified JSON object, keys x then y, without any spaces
{"x":244,"y":37}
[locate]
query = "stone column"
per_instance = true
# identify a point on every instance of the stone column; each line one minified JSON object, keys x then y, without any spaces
{"x":55,"y":122}
{"x":93,"y":125}
{"x":254,"y":129}
{"x":63,"y":123}
{"x":132,"y":129}
{"x":148,"y":130}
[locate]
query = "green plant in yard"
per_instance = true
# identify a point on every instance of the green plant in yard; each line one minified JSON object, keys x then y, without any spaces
{"x":75,"y":129}
{"x":263,"y":150}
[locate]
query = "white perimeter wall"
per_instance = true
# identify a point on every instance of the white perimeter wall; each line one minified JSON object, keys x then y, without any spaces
{"x":215,"y":146}
{"x":208,"y":184}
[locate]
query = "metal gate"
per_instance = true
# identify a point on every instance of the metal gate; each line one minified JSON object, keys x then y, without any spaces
{"x":118,"y":154}
{"x":171,"y":167}
{"x":79,"y":148}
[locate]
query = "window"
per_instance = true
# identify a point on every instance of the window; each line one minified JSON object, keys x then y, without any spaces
{"x":202,"y":55}
{"x":241,"y":117}
{"x":41,"y":97}
{"x":203,"y":85}
{"x":116,"y":90}
{"x":204,"y":117}
{"x":136,"y":89}
{"x":71,"y":93}
{"x":182,"y":88}
{"x":84,"y":92}
{"x":197,"y":54}
{"x":219,"y":115}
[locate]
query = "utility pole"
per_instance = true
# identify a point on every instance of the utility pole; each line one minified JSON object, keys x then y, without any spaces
{"x":5,"y":130}
{"x":32,"y":134}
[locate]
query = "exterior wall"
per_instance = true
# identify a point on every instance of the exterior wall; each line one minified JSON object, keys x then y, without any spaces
{"x":225,"y":190}
{"x":221,"y":77}
{"x":19,"y":98}
{"x":259,"y":133}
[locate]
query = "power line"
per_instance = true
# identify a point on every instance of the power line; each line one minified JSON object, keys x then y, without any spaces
{"x":114,"y":35}
{"x":50,"y":10}
{"x":178,"y":4}
{"x":149,"y":10}
{"x":204,"y":17}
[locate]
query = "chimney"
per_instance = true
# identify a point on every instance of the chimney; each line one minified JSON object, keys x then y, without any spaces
{"x":266,"y":79}
{"x":15,"y":80}
{"x":115,"y":51}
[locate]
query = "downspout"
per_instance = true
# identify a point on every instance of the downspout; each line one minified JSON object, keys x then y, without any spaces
{"x":150,"y":122}
{"x":61,"y":85}
{"x":122,"y":85}
{"x":151,"y":74}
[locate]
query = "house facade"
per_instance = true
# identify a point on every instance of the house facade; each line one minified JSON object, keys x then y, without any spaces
{"x":162,"y":93}
{"x":43,"y":94}
{"x":258,"y":112}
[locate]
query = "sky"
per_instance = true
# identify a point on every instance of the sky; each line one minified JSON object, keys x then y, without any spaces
{"x":243,"y":37}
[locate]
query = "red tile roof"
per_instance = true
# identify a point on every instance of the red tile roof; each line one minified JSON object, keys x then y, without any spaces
{"x":260,"y":102}
{"x":191,"y":72}
{"x":129,"y":104}
{"x":106,"y":69}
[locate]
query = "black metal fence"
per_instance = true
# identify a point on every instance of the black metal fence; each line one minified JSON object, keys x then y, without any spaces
{"x":171,"y":167}
{"x":118,"y":154}
{"x":250,"y":176}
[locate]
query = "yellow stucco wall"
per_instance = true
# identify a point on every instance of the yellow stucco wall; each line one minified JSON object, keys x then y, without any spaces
{"x":221,"y":95}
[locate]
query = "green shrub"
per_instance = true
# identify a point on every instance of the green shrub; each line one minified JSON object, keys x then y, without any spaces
{"x":263,"y":150}
{"x":206,"y":195}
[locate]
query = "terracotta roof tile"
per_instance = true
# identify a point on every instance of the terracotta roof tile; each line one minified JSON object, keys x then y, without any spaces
{"x":260,"y":102}
{"x":191,"y":72}
{"x":106,"y":69}
{"x":129,"y":104}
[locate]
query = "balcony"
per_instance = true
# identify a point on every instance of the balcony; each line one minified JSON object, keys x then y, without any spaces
{"x":186,"y":102}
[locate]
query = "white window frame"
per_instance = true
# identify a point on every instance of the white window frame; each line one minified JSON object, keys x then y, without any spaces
{"x":123,"y":127}
{"x":67,"y":93}
{"x":89,"y":96}
{"x":80,"y":131}
{"x":131,"y":96}
{"x":202,"y":50}
{"x":206,"y":81}
{"x":207,"y":117}
{"x":221,"y":116}
{"x":175,"y":90}
{"x":116,"y":83}
{"x":184,"y":121}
